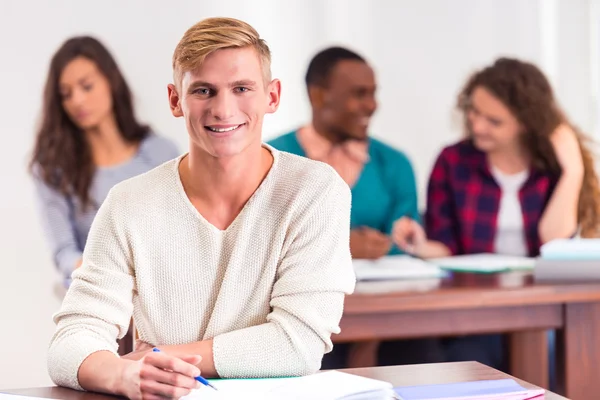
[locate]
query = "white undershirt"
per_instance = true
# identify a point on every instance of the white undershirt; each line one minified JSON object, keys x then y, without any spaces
{"x":510,"y":234}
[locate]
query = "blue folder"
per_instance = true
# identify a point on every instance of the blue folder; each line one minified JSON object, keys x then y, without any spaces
{"x":462,"y":389}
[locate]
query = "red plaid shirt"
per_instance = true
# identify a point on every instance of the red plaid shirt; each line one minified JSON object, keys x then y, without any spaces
{"x":463,"y":200}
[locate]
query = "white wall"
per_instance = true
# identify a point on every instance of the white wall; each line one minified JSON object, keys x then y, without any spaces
{"x":422,"y":52}
{"x":594,"y":50}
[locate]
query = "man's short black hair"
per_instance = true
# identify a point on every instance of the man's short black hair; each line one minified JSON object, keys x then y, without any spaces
{"x":321,"y":65}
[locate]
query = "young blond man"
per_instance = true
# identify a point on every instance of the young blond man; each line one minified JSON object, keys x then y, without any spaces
{"x":233,"y":259}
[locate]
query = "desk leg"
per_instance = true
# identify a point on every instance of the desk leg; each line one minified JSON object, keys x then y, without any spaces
{"x":362,"y":354}
{"x":579,"y":346}
{"x":529,"y":357}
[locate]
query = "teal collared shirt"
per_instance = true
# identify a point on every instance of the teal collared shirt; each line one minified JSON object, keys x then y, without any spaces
{"x":385,"y":190}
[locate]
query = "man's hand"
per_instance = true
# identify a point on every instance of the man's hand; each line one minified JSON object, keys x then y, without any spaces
{"x":369,"y":243}
{"x":140,"y":350}
{"x":159,"y":376}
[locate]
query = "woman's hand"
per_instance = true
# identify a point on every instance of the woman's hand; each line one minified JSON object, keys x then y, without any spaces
{"x":567,"y":150}
{"x":409,"y":236}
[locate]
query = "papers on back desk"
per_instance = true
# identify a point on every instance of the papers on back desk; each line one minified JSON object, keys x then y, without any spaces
{"x":395,"y":267}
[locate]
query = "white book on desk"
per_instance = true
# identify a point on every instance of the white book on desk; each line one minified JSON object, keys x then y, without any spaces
{"x":329,"y":385}
{"x":395,"y":267}
{"x":571,"y":249}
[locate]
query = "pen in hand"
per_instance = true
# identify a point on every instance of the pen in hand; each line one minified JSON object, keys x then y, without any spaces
{"x":198,"y":378}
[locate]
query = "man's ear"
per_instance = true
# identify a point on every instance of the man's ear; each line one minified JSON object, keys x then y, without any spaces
{"x":273,"y":95}
{"x":316,"y":95}
{"x":174,"y":101}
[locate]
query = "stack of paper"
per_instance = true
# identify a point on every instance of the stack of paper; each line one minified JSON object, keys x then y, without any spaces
{"x":571,"y":249}
{"x":484,"y":263}
{"x":501,"y":389}
{"x":331,"y":385}
{"x":395,"y":267}
{"x":569,"y":260}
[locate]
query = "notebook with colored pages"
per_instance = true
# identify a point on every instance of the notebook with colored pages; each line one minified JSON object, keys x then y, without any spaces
{"x":329,"y":385}
{"x":500,"y":389}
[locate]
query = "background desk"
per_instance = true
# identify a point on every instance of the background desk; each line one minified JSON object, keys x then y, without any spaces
{"x":407,"y":375}
{"x":472,"y":304}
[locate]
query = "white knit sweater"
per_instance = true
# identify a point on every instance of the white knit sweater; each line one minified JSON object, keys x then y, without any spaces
{"x":269,"y":289}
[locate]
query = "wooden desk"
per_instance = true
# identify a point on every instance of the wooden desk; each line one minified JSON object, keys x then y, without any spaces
{"x":473,"y":304}
{"x":407,"y":375}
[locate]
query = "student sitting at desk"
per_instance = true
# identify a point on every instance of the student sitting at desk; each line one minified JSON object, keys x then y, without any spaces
{"x":89,"y":140}
{"x":522,"y":177}
{"x":234,"y":258}
{"x":341,"y":89}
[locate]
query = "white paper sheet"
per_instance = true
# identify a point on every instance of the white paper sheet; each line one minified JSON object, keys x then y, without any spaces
{"x":330,"y":385}
{"x":5,"y":396}
{"x":395,"y":267}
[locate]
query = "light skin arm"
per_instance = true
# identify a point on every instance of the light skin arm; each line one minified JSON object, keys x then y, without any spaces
{"x":559,"y":220}
{"x":154,"y":376}
{"x":409,"y":236}
{"x":433,"y":249}
{"x":202,"y":349}
{"x":100,"y":372}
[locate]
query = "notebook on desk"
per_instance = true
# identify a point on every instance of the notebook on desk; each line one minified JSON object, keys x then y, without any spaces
{"x":484,"y":263}
{"x":330,"y":385}
{"x":500,"y":389}
{"x":395,"y":267}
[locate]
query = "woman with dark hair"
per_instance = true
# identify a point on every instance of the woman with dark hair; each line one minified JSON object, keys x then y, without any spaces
{"x":523,"y":176}
{"x":88,"y":141}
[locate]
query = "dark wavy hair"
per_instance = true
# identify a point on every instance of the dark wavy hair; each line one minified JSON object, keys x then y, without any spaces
{"x":62,"y":156}
{"x":526,"y":92}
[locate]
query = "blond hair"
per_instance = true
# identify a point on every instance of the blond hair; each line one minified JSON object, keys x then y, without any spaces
{"x":212,"y":34}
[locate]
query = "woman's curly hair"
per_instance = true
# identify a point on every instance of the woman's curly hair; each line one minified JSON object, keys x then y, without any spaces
{"x":527,"y":93}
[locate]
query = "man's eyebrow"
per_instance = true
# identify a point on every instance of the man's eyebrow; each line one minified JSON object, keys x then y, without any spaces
{"x":243,"y":82}
{"x":197,"y":84}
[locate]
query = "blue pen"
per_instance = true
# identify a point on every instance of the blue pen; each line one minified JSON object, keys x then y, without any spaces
{"x":198,"y":378}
